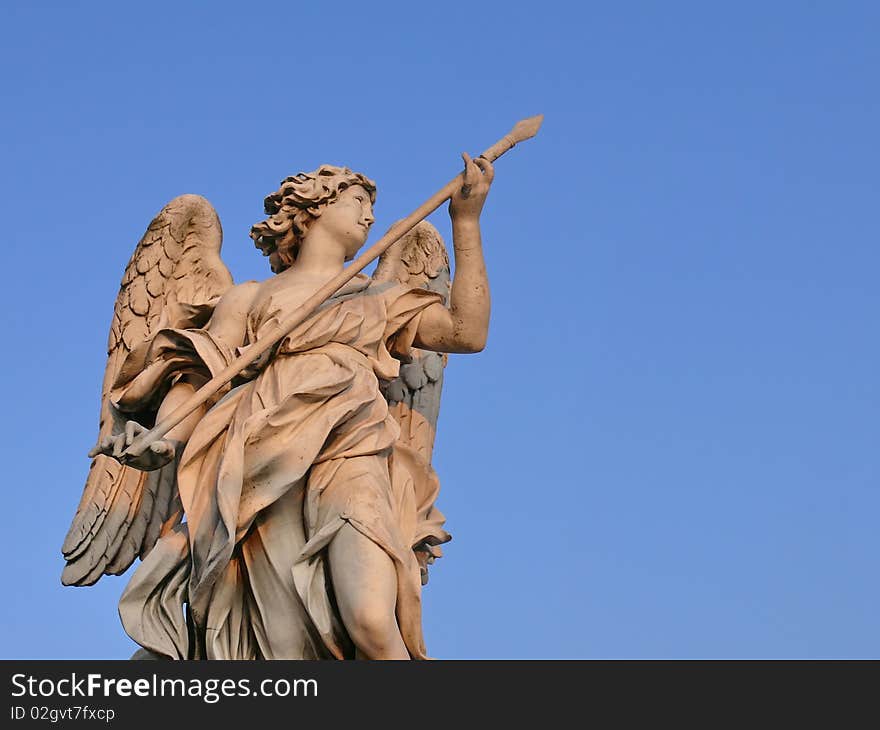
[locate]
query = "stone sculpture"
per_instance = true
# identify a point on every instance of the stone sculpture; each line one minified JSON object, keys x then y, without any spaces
{"x":273,"y":473}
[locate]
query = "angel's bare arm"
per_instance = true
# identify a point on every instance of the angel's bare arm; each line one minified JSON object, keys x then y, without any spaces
{"x":228,"y":324}
{"x":464,"y":325}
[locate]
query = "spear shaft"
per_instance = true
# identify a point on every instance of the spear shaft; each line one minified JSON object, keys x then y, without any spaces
{"x":525,"y":129}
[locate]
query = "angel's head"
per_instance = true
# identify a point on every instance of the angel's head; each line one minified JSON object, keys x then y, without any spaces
{"x":300,"y":201}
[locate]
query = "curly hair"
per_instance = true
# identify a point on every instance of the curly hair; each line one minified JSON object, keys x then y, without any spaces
{"x":293,"y":208}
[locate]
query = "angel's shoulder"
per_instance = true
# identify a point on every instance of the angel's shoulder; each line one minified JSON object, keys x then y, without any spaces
{"x":232,"y":309}
{"x":240,"y":294}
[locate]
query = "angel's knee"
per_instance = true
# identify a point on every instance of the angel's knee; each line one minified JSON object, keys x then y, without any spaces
{"x":365,"y":584}
{"x":374,"y":631}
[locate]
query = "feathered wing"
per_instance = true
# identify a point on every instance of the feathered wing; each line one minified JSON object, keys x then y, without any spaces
{"x":174,"y":278}
{"x":420,"y":260}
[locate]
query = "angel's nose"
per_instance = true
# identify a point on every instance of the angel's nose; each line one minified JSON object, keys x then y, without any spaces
{"x":369,"y":220}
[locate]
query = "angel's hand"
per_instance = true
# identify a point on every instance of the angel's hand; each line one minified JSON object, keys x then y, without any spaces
{"x":424,"y":558}
{"x":467,"y":201}
{"x":155,"y":456}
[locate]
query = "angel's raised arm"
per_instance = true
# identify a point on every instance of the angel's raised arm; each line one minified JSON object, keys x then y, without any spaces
{"x":464,"y":325}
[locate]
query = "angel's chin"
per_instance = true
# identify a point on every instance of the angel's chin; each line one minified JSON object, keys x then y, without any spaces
{"x":351,"y":254}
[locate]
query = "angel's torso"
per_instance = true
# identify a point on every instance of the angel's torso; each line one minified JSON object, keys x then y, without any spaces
{"x":350,"y":326}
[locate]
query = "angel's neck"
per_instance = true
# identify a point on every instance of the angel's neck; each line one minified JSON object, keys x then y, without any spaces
{"x":319,"y":256}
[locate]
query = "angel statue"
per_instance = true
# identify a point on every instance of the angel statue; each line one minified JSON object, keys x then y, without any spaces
{"x":292,"y":515}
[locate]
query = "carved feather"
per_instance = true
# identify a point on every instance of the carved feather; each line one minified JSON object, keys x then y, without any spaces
{"x":421,"y":260}
{"x":173,"y":279}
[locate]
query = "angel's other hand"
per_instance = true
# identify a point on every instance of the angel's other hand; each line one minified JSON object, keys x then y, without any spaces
{"x":155,"y":456}
{"x":468,"y":199}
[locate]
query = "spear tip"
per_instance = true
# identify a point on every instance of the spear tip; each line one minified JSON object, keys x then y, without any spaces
{"x":527,"y":128}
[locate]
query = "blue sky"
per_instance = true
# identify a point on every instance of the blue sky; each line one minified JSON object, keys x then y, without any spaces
{"x":669,"y":446}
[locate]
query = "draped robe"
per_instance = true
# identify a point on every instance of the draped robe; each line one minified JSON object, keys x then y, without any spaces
{"x":271,"y":472}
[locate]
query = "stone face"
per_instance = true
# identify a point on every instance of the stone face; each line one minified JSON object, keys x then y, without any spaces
{"x":283,"y":506}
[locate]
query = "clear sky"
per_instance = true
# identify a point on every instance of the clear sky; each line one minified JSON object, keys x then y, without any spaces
{"x":669,"y":447}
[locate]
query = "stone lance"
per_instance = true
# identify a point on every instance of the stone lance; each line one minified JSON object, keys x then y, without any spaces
{"x":523,"y":130}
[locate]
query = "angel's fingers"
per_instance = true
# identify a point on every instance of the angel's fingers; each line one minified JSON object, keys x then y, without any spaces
{"x":104,"y":446}
{"x":487,"y":168}
{"x":162,"y":448}
{"x":119,"y":445}
{"x":469,"y":169}
{"x":130,"y":432}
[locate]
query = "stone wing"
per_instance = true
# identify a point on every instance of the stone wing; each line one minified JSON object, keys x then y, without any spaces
{"x":174,"y":278}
